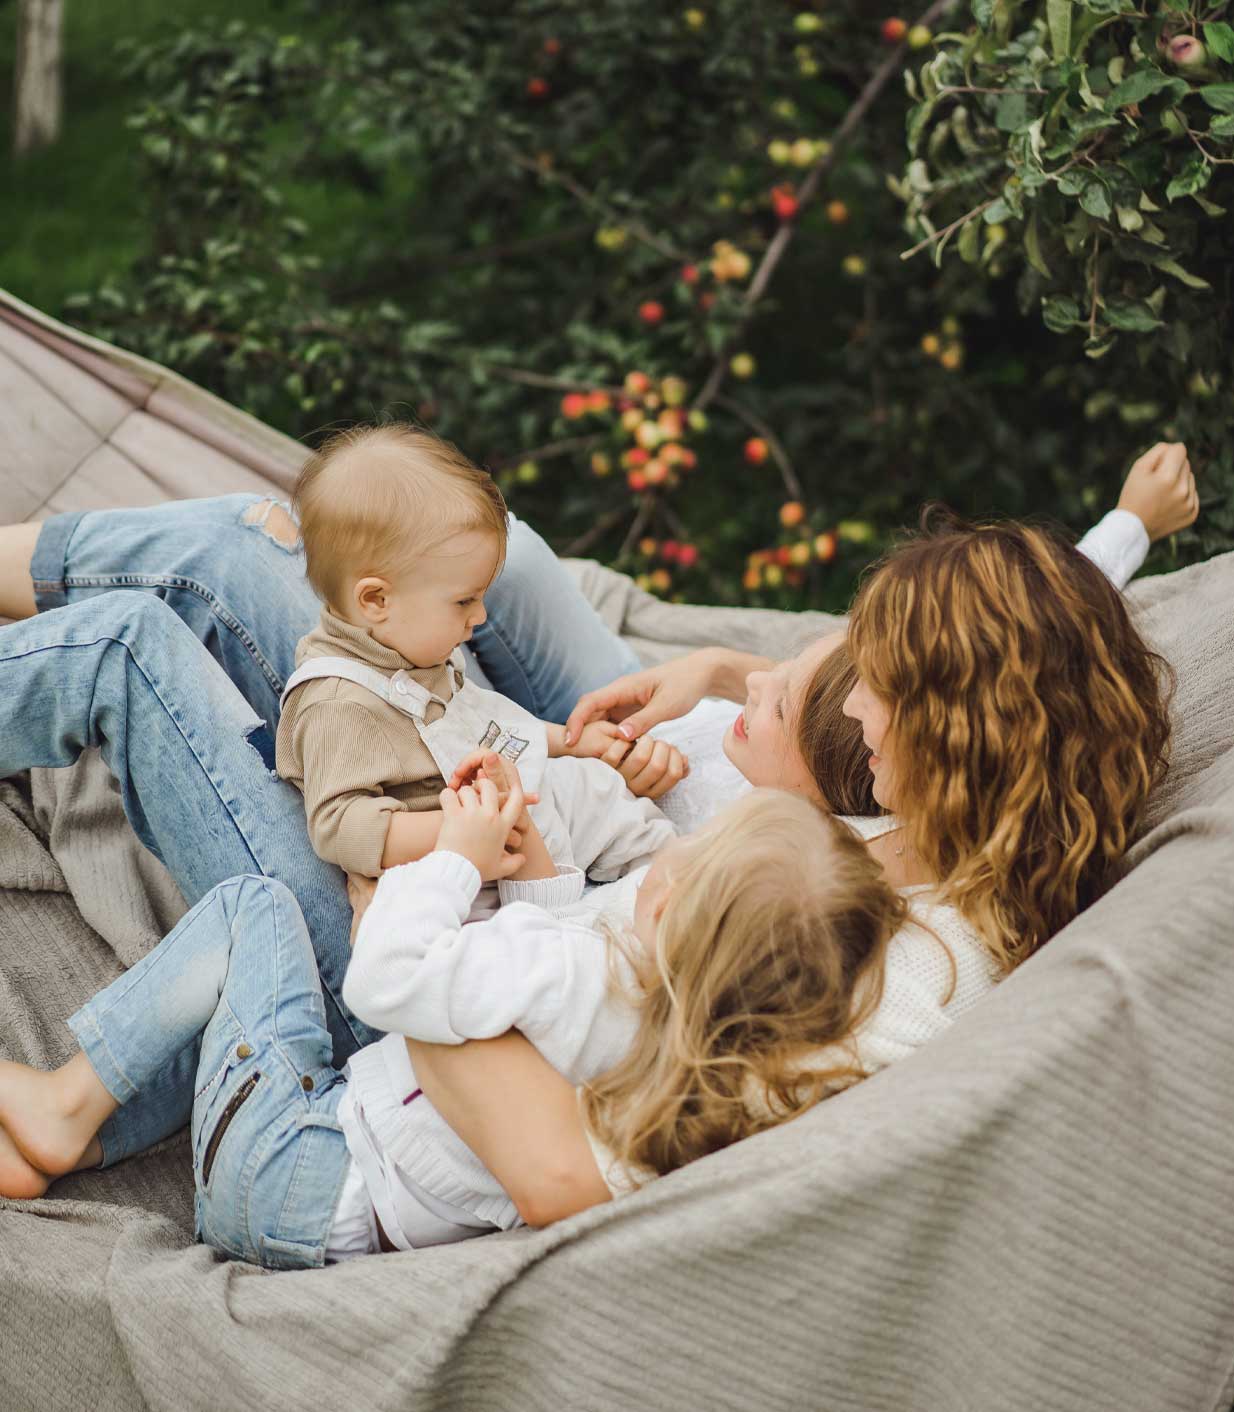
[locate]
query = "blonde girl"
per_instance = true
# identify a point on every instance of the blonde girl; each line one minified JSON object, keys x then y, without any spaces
{"x":734,"y":998}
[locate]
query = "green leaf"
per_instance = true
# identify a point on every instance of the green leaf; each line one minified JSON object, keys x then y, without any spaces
{"x":1222,"y":126}
{"x":1172,"y":267}
{"x":1129,"y":218}
{"x":1095,"y":199}
{"x":1012,"y":112}
{"x":1220,"y":40}
{"x":1130,"y":315}
{"x":1032,"y":247}
{"x":1219,"y":96}
{"x":1060,"y":313}
{"x":1143,"y":84}
{"x":1194,"y":176}
{"x":969,"y":243}
{"x":1059,"y":13}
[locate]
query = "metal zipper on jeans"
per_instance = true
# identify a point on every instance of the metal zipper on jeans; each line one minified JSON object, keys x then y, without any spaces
{"x":233,"y":1107}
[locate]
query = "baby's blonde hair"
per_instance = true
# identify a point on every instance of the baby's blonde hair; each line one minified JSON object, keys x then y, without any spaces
{"x":769,"y":950}
{"x":372,"y":499}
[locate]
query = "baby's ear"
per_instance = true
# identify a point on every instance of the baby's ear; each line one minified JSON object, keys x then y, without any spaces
{"x":371,"y":597}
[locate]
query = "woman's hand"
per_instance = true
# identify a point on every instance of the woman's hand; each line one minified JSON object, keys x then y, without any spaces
{"x":476,"y":825}
{"x":1160,"y":489}
{"x":360,"y":892}
{"x":645,"y":699}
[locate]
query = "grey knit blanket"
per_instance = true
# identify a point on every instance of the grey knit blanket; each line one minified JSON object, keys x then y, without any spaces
{"x":1033,"y":1212}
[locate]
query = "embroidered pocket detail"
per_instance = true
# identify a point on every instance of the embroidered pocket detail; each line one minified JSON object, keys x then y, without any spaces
{"x":233,"y":1107}
{"x":504,"y":742}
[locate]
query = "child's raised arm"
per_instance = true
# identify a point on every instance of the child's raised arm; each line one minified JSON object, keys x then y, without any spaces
{"x":1160,"y":490}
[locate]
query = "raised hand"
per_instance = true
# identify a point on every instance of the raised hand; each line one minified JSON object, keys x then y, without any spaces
{"x":1160,"y":489}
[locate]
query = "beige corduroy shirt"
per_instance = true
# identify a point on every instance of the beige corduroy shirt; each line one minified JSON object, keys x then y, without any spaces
{"x":354,"y":757}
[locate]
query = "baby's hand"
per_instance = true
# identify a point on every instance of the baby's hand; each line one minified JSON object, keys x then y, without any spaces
{"x":1160,"y":489}
{"x":476,"y":824}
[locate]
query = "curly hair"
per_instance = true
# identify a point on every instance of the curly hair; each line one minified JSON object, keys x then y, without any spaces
{"x":1028,"y":720}
{"x":763,"y":971}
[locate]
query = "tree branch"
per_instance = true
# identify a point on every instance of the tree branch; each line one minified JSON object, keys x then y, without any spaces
{"x":780,"y":242}
{"x":551,"y":449}
{"x":778,"y":453}
{"x":593,"y":202}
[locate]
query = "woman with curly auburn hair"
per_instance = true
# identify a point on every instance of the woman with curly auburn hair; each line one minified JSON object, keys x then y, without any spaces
{"x":1015,"y":720}
{"x":992,"y":691}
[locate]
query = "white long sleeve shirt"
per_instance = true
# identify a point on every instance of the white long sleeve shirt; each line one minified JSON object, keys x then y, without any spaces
{"x":418,"y":970}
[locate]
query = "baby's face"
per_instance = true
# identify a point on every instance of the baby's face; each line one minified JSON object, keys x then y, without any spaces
{"x":437,"y":605}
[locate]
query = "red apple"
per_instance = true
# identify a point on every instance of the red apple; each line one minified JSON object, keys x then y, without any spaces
{"x":756,"y":451}
{"x":687,"y":556}
{"x":784,"y":202}
{"x":537,"y":88}
{"x":689,"y":274}
{"x":792,"y":513}
{"x":573,"y":405}
{"x":636,"y":384}
{"x":636,"y":480}
{"x":598,"y":401}
{"x":893,"y":30}
{"x":651,"y":312}
{"x":837,"y":212}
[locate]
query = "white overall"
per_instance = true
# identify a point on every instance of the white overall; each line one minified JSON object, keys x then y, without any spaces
{"x":471,"y":719}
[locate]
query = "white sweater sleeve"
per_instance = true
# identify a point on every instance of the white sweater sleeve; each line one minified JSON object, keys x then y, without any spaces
{"x":417,"y":970}
{"x":1118,"y":545}
{"x":611,"y":832}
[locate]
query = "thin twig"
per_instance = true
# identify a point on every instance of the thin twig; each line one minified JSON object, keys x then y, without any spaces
{"x":1092,"y":317}
{"x":551,"y":449}
{"x":638,"y":525}
{"x":805,"y":193}
{"x":531,"y":379}
{"x":601,"y":527}
{"x":778,"y":453}
{"x":947,"y":230}
{"x":593,"y":202}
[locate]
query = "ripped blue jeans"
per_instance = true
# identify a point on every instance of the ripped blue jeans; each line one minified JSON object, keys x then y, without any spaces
{"x":179,"y":684}
{"x":232,"y":569}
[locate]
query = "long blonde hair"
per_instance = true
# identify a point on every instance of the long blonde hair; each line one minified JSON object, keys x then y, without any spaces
{"x":770,"y":947}
{"x":1029,"y":721}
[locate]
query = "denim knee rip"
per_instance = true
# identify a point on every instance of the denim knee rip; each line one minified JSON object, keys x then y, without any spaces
{"x":273,"y":519}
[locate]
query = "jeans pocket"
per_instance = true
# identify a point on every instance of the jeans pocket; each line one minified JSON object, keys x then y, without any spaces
{"x":225,"y":1118}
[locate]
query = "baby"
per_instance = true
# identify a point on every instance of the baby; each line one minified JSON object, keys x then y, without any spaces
{"x":402,"y":538}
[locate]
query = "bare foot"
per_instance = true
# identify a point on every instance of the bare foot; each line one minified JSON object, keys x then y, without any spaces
{"x":48,"y":1122}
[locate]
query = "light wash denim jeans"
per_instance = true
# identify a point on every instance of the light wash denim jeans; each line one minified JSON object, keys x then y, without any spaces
{"x":193,"y":762}
{"x":138,"y":675}
{"x":231,"y":995}
{"x":244,"y":594}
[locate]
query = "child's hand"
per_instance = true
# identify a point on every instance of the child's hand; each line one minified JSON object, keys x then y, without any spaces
{"x":650,"y":767}
{"x":600,"y":740}
{"x":1160,"y":489}
{"x":487,"y":764}
{"x":360,"y":892}
{"x":476,"y":825}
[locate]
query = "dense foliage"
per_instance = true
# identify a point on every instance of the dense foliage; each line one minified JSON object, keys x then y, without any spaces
{"x":1086,"y":147}
{"x":645,"y":262}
